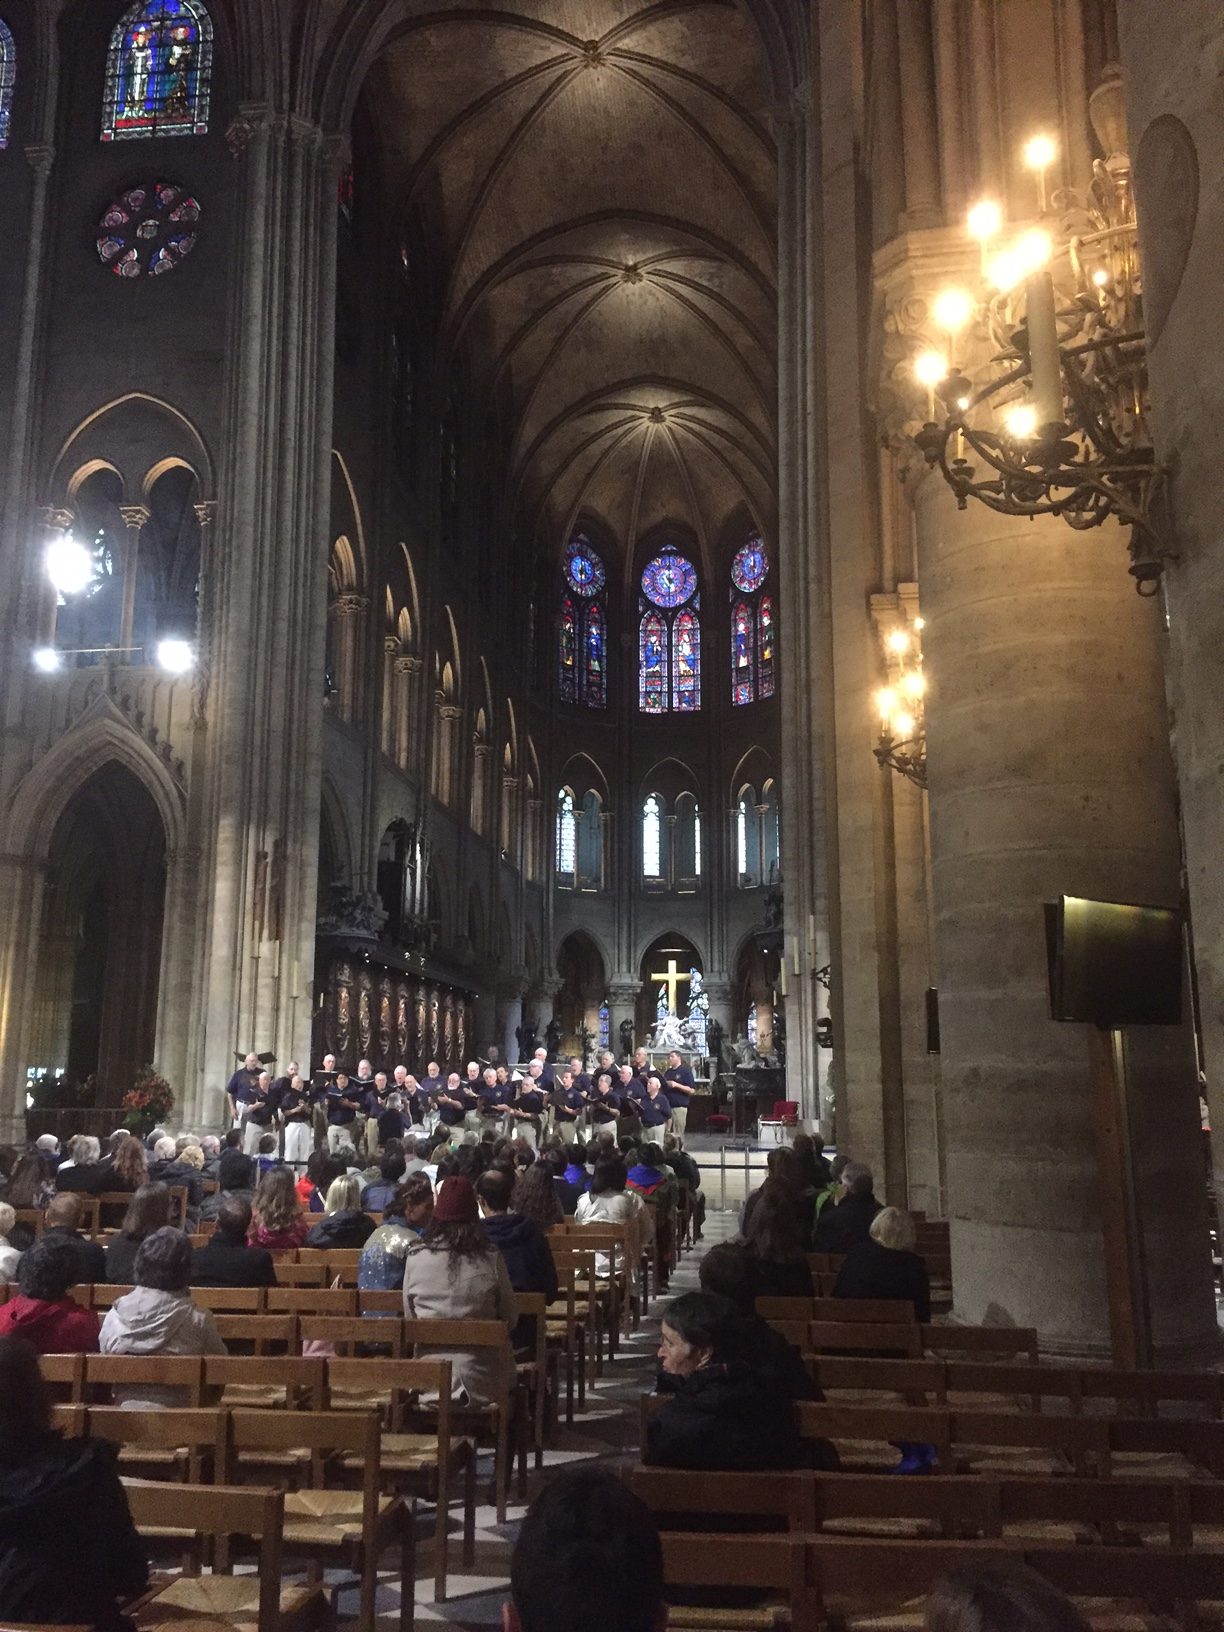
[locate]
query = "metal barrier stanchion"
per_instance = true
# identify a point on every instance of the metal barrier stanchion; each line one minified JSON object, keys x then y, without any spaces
{"x":722,"y":1178}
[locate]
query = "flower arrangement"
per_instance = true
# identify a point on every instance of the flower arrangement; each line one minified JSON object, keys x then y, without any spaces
{"x":148,"y":1101}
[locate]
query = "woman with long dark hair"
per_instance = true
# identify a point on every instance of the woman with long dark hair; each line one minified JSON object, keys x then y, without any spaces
{"x":277,"y":1219}
{"x":30,"y":1183}
{"x":535,"y":1195}
{"x":68,"y":1548}
{"x":129,"y":1166}
{"x":148,"y":1210}
{"x":774,"y":1235}
{"x":456,"y":1273}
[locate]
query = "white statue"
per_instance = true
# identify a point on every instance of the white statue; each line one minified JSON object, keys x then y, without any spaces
{"x":669,"y":1033}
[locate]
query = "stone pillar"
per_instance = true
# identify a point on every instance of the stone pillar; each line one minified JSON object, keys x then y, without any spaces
{"x":622,"y":1004}
{"x":510,"y":1015}
{"x":135,"y":517}
{"x":391,"y":646}
{"x":1050,"y":772}
{"x":407,"y":668}
{"x":264,"y":735}
{"x":1177,"y":144}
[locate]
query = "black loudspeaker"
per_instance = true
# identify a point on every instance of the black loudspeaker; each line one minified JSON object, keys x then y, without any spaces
{"x":932,"y":1019}
{"x":1112,"y":963}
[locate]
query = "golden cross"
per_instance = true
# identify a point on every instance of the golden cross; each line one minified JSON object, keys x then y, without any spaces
{"x":671,"y":978}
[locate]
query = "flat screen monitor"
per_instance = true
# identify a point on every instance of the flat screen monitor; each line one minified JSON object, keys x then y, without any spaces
{"x":1113,"y":963}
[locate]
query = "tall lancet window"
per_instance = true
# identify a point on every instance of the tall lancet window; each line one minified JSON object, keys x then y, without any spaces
{"x":159,"y":71}
{"x":582,"y":630}
{"x":8,"y":78}
{"x":669,"y":637}
{"x":567,"y":835}
{"x":652,"y":837}
{"x":752,"y":626}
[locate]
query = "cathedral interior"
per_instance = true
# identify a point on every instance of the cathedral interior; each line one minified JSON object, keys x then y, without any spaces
{"x":481,"y":544}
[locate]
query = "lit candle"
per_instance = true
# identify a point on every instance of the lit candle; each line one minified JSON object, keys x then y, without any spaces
{"x":1045,"y":371}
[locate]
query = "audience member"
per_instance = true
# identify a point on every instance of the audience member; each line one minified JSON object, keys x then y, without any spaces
{"x":48,"y":1147}
{"x":130,"y":1167}
{"x":519,"y":1239}
{"x":148,"y":1210}
{"x":158,"y":1316}
{"x":455,"y":1273}
{"x":588,"y":1555}
{"x":277,"y":1219}
{"x":774,"y":1236}
{"x":719,"y":1416}
{"x":814,"y":1170}
{"x":183,"y":1171}
{"x":225,"y":1259}
{"x":30,"y":1183}
{"x":235,"y":1177}
{"x":783,"y":1180}
{"x":848,"y":1223}
{"x":211,"y":1146}
{"x":729,"y":1271}
{"x":63,"y":1220}
{"x":608,"y":1202}
{"x":343,"y":1223}
{"x":85,"y":1170}
{"x":828,"y":1196}
{"x":10,"y":1254}
{"x":535,"y":1196}
{"x":405,"y":1218}
{"x":68,"y":1549}
{"x":43,"y":1313}
{"x":886,"y":1265}
{"x":574,"y":1177}
{"x":391,"y":1169}
{"x":1000,"y":1595}
{"x":687,"y":1171}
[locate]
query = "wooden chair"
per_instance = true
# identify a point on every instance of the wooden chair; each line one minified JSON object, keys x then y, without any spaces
{"x":1142,"y":1393}
{"x":341,"y":1264}
{"x":32,"y":1217}
{"x":311,"y":1300}
{"x":615,"y":1242}
{"x":64,"y":1374}
{"x":258,"y":1334}
{"x":785,"y":1498}
{"x":962,"y":1342}
{"x":375,"y":1302}
{"x":68,"y":1420}
{"x":565,"y":1331}
{"x":190,"y":1443}
{"x":774,"y":1564}
{"x":878,"y":1382}
{"x":104,"y":1372}
{"x":230,"y":1300}
{"x":349,"y":1334}
{"x":216,"y":1514}
{"x":575,"y":1265}
{"x":290,"y":1273}
{"x":875,"y":1431}
{"x":859,"y":1336}
{"x":420,"y":1463}
{"x":1164,"y":1447}
{"x":491,"y":1420}
{"x":880,"y":1311}
{"x":277,"y":1382}
{"x":353,"y":1527}
{"x":1165,"y":1581}
{"x":536,"y":1378}
{"x":857,"y":1580}
{"x":102,"y":1294}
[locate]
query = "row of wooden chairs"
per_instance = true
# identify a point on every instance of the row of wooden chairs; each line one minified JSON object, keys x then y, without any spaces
{"x":1008,"y":1442}
{"x":114,"y":1203}
{"x":314,"y":1452}
{"x":865,"y":1583}
{"x":849,"y":1326}
{"x":998,"y":1385}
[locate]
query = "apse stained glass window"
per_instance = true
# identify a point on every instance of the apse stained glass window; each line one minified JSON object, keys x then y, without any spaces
{"x":752,"y":626}
{"x":583,"y":633}
{"x":567,"y":833}
{"x":669,"y":637}
{"x":159,"y":71}
{"x":8,"y":77}
{"x":605,"y":1026}
{"x":567,"y":656}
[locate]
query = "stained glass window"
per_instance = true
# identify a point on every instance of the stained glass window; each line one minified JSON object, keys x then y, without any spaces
{"x":605,"y":1026}
{"x":741,"y":837}
{"x":696,"y":841}
{"x":595,"y":678}
{"x":148,"y":230}
{"x":583,"y":658}
{"x":765,"y":645}
{"x":652,"y":664}
{"x":8,"y":76}
{"x":567,"y":833}
{"x":669,"y":580}
{"x":742,"y":665}
{"x":753,"y":1025}
{"x":669,"y":670}
{"x":752,"y":626}
{"x":567,"y":670}
{"x":159,"y":71}
{"x":686,"y":663}
{"x":652,"y":837}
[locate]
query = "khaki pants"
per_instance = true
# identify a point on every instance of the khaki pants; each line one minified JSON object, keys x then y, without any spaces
{"x":371,"y":1137}
{"x":299,"y":1142}
{"x":679,"y":1118}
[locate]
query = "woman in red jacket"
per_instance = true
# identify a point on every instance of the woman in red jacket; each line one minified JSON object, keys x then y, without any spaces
{"x":44,"y":1314}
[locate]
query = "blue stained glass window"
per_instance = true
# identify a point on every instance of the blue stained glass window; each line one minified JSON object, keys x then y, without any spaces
{"x":752,"y":626}
{"x":669,"y":580}
{"x":8,"y":78}
{"x":686,"y":663}
{"x":652,"y":665}
{"x":567,"y":656}
{"x":567,"y":833}
{"x":583,"y":676}
{"x":605,"y":1026}
{"x":159,"y":71}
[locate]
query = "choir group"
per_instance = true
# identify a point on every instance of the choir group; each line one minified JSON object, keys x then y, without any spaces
{"x":365,"y":1108}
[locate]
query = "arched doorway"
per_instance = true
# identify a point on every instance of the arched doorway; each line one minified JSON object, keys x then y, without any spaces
{"x":584,"y":986}
{"x":666,"y":966}
{"x":100,"y":947}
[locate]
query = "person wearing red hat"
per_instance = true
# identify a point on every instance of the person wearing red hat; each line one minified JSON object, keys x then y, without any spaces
{"x":456,"y":1273}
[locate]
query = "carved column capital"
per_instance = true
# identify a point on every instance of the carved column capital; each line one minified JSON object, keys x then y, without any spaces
{"x":40,"y":158}
{"x":350,"y":605}
{"x":135,"y":516}
{"x":206,"y":512}
{"x":55,"y":519}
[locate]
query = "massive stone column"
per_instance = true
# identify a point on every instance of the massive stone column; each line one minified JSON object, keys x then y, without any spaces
{"x":1050,"y":772}
{"x":1177,"y":143}
{"x":263,"y":656}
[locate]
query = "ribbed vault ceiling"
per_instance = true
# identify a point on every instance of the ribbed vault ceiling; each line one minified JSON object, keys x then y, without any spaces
{"x":601,"y":176}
